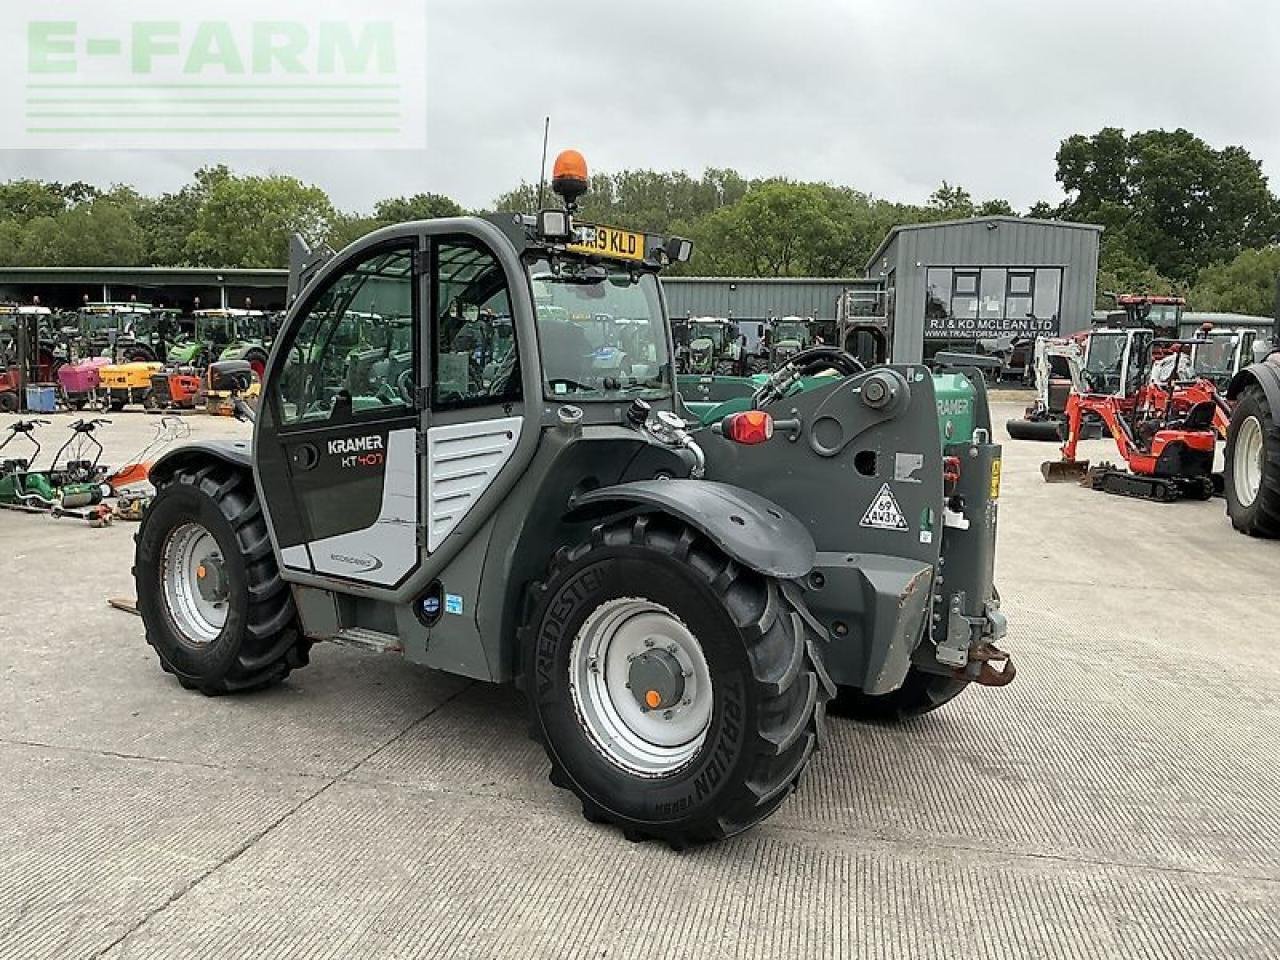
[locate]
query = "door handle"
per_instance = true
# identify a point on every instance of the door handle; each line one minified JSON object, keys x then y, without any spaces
{"x":305,"y":456}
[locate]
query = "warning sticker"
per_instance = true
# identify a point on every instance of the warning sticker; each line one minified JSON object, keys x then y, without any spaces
{"x":884,"y":512}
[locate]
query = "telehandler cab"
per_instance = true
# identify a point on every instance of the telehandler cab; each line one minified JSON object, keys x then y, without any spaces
{"x":678,"y":600}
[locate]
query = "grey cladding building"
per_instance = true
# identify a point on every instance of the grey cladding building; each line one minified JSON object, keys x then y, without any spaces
{"x":986,"y":278}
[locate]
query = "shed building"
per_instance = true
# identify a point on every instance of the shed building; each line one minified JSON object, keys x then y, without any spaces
{"x":967,"y":283}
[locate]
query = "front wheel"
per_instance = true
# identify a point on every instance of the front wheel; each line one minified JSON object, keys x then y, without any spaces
{"x":209,"y":590}
{"x":1251,"y":480}
{"x":677,"y":694}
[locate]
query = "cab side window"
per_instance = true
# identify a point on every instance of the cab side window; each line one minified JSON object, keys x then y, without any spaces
{"x":475,"y":361}
{"x":354,"y":353}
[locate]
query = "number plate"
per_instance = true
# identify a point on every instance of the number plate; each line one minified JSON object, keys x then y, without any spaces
{"x":995,"y":479}
{"x":609,"y":242}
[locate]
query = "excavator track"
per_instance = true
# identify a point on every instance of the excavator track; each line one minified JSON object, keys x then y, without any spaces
{"x":1108,"y":479}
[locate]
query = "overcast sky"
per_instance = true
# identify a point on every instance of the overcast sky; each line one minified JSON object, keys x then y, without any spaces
{"x":891,"y":97}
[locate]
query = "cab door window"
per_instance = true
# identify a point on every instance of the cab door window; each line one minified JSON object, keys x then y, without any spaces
{"x":354,"y":354}
{"x":475,"y":361}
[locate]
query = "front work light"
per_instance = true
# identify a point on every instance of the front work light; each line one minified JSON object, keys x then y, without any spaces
{"x":554,"y":225}
{"x":679,"y":250}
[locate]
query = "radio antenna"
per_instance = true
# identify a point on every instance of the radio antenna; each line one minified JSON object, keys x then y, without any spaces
{"x":542,"y":173}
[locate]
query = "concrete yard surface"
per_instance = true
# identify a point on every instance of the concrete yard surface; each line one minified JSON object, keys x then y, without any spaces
{"x":1120,"y":799}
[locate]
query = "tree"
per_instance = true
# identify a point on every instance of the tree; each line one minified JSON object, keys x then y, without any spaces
{"x":421,"y":206}
{"x":951,"y":202}
{"x":1247,"y":284}
{"x":1167,"y":197}
{"x":247,"y":221}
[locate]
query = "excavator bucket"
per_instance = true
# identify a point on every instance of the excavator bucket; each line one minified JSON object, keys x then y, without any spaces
{"x":1064,"y":471}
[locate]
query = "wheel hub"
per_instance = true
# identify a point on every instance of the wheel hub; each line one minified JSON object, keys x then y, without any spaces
{"x":211,"y":579}
{"x":656,"y":679}
{"x":196,"y":587}
{"x":641,"y":686}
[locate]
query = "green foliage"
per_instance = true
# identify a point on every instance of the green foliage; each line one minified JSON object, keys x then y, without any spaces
{"x":1246,"y":284}
{"x":1176,"y":212}
{"x":247,"y":221}
{"x":1167,"y":198}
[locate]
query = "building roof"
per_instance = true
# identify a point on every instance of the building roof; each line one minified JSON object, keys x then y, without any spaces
{"x":967,"y":221}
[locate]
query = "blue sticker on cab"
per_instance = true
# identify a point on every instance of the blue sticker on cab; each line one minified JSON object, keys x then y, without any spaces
{"x":453,"y":604}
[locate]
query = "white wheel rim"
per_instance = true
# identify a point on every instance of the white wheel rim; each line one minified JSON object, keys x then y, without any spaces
{"x":189,"y":553}
{"x":651,"y":743}
{"x":1246,"y":462}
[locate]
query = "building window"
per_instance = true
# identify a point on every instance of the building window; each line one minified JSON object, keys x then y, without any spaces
{"x":964,"y":295}
{"x":972,"y":303}
{"x":1018,"y":296}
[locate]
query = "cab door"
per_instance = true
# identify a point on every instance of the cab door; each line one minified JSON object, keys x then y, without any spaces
{"x":337,"y":433}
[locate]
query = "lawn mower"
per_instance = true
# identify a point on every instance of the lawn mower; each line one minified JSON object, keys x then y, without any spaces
{"x":1163,"y":426}
{"x":75,"y":488}
{"x":678,"y":597}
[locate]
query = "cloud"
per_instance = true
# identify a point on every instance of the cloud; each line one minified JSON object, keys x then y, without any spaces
{"x":889,"y":98}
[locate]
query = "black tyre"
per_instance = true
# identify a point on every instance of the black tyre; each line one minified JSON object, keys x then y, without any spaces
{"x":1042,"y":430}
{"x":1251,"y":479}
{"x":919,"y":694}
{"x":8,"y":402}
{"x":677,"y":694}
{"x":150,"y":402}
{"x":209,"y":591}
{"x":116,"y":402}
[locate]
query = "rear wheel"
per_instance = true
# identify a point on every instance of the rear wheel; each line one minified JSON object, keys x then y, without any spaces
{"x":1251,"y":480}
{"x":677,"y":694}
{"x":209,"y":591}
{"x":919,"y":694}
{"x":8,"y":402}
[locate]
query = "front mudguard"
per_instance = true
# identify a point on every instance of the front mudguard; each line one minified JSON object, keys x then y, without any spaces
{"x":233,"y":453}
{"x":752,"y":530}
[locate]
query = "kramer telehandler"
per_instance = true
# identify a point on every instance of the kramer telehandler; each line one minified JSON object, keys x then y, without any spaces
{"x":678,"y":601}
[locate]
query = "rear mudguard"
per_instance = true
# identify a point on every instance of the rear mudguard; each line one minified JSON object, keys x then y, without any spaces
{"x":234,"y":453}
{"x":749,"y":528}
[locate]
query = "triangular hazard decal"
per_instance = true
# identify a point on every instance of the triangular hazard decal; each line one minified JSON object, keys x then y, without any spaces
{"x":884,"y":512}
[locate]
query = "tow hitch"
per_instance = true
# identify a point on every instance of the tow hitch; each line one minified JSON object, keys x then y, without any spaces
{"x":981,"y":667}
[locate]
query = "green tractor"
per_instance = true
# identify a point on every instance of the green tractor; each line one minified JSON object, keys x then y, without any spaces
{"x":224,"y":333}
{"x":788,"y":337}
{"x":715,"y":347}
{"x":679,"y":593}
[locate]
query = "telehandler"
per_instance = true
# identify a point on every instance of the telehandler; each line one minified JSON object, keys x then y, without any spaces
{"x":678,"y":601}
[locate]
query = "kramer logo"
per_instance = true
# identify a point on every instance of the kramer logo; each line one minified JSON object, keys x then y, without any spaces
{"x":267,"y":74}
{"x":354,"y":445}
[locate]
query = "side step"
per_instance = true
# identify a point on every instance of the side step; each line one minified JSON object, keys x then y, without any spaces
{"x":372,"y":640}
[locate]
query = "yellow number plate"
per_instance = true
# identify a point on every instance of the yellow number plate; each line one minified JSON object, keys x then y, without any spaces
{"x":995,"y":479}
{"x":610,"y":242}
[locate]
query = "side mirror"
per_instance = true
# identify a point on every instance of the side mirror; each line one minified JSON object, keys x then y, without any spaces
{"x":234,"y":376}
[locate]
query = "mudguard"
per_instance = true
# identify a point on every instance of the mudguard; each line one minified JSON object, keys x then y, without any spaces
{"x":752,"y":530}
{"x":1266,"y":374}
{"x":236,"y":453}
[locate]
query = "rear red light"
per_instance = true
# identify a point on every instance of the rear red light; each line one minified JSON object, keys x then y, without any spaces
{"x":749,"y":427}
{"x":951,"y":469}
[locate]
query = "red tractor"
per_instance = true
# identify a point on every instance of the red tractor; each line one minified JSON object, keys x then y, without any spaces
{"x":1163,"y":425}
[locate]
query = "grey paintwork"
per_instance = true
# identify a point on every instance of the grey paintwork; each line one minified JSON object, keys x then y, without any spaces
{"x":796,"y":508}
{"x":749,"y":528}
